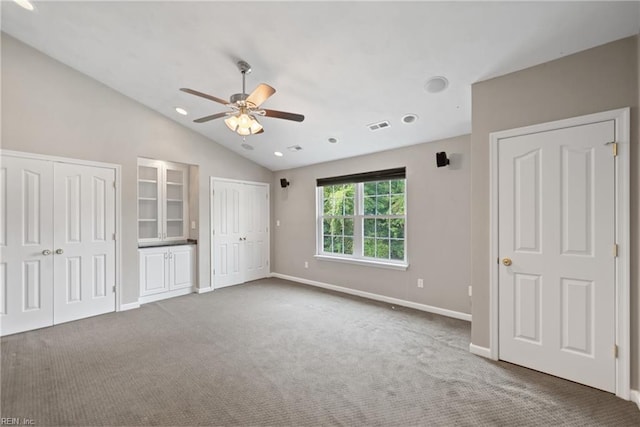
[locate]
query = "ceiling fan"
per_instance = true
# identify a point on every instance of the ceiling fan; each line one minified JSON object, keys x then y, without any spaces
{"x":245,"y":108}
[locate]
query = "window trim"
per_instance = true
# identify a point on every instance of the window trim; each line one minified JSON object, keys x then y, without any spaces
{"x":358,"y":224}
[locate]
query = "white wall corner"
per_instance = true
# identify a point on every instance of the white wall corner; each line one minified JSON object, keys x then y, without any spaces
{"x":634,"y":396}
{"x":480,"y":351}
{"x":204,"y":290}
{"x":129,"y":306}
{"x":377,"y":297}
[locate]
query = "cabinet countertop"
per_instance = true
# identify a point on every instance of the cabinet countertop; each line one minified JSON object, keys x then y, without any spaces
{"x":163,"y":244}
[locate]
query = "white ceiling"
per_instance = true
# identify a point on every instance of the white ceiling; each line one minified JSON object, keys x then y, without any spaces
{"x":342,"y":64}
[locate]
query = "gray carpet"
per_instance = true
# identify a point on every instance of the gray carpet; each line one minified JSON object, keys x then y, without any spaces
{"x":276,"y":353}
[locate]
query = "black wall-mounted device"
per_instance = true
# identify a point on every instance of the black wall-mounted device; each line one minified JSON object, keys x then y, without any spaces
{"x":441,"y":159}
{"x":284,"y":183}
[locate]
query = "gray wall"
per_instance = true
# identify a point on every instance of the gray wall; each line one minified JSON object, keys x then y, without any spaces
{"x":599,"y":79}
{"x":49,"y":108}
{"x":438,"y":225}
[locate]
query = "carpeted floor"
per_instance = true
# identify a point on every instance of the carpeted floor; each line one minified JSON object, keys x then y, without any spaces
{"x":273,"y":352}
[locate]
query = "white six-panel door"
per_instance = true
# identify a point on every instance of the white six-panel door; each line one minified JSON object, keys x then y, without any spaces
{"x":57,"y":225}
{"x":84,"y":240}
{"x":256,"y":237}
{"x":26,"y":236}
{"x":241,"y":238}
{"x":557,"y":227}
{"x":227,"y":262}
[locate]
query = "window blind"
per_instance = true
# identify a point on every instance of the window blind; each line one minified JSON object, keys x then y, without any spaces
{"x":382,"y":175}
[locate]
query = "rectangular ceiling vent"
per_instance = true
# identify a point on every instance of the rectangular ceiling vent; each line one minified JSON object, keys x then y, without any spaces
{"x":379,"y":125}
{"x":294,"y":148}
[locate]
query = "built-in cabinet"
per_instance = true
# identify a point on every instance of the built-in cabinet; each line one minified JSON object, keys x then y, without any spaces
{"x":166,"y":271}
{"x":163,"y":205}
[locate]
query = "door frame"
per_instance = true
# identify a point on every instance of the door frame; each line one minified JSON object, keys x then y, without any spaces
{"x":621,"y":118}
{"x":212,"y":180}
{"x":118,"y":204}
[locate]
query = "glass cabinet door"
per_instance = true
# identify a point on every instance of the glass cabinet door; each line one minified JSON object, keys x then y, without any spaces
{"x":175,"y":201}
{"x":149,"y":206}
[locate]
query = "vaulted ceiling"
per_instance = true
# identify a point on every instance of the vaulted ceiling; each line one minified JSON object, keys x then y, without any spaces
{"x":342,"y":64}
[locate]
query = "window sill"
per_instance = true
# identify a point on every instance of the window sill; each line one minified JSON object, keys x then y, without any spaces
{"x":369,"y":263}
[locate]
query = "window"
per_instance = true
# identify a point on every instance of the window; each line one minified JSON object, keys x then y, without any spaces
{"x":362,"y":218}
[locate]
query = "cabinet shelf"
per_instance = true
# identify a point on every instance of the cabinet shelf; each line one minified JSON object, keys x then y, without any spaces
{"x":163,"y":202}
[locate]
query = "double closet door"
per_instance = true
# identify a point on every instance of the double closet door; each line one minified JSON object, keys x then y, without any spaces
{"x":57,"y":233}
{"x":240,"y":227}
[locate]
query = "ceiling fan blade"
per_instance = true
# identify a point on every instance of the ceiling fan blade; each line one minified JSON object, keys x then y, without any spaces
{"x":211,"y":117}
{"x":284,"y":115}
{"x":204,"y":95}
{"x":260,"y":131}
{"x":261,"y":94}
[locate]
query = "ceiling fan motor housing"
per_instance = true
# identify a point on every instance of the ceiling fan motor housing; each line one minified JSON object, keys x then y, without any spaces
{"x":238,"y":97}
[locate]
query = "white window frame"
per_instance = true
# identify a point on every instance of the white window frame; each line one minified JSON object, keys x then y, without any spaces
{"x":358,"y":236}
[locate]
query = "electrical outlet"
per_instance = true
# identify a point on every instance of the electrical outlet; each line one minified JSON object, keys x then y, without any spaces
{"x":470,"y":290}
{"x":420,"y":283}
{"x":306,"y":264}
{"x":193,"y":225}
{"x":277,"y":223}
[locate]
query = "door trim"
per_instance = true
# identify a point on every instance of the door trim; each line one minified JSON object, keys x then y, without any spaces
{"x":212,"y":180}
{"x":118,"y":206}
{"x":621,"y":117}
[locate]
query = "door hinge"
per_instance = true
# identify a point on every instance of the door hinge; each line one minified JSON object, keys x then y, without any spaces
{"x":615,"y":250}
{"x":213,"y":232}
{"x":114,"y":236}
{"x":113,"y":289}
{"x":614,"y":147}
{"x":615,"y":351}
{"x":114,"y":184}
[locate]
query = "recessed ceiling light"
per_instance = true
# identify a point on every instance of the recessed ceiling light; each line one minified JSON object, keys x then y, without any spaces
{"x":436,"y":84}
{"x":25,"y":4}
{"x":333,"y":140}
{"x":278,"y":154}
{"x":182,"y":111}
{"x":409,"y":118}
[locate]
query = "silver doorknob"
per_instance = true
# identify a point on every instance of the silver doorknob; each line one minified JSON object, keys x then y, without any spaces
{"x":59,"y":251}
{"x":46,"y":252}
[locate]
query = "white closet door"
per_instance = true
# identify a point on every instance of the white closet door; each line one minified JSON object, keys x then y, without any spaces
{"x":227,"y":257}
{"x":84,"y":216}
{"x":256,"y":245}
{"x":26,"y":238}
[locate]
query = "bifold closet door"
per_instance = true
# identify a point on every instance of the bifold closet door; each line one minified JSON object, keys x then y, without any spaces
{"x":26,"y":238}
{"x":84,"y":240}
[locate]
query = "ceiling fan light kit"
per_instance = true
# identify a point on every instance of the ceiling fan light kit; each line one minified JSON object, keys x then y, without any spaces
{"x":241,"y":119}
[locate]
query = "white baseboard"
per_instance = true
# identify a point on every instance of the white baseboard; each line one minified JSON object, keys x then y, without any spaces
{"x":480,"y":351}
{"x":164,"y":295}
{"x":634,"y":396}
{"x":377,"y":297}
{"x":129,"y":306}
{"x":204,"y":290}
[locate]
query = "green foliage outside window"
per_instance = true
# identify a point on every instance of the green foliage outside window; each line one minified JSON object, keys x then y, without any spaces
{"x":383,"y":219}
{"x":384,"y":237}
{"x":338,"y":204}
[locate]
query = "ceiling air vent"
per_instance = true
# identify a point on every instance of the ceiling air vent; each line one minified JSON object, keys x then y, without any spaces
{"x":294,"y":148}
{"x":379,"y":125}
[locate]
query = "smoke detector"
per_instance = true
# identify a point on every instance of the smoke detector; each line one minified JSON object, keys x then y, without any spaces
{"x":436,"y":84}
